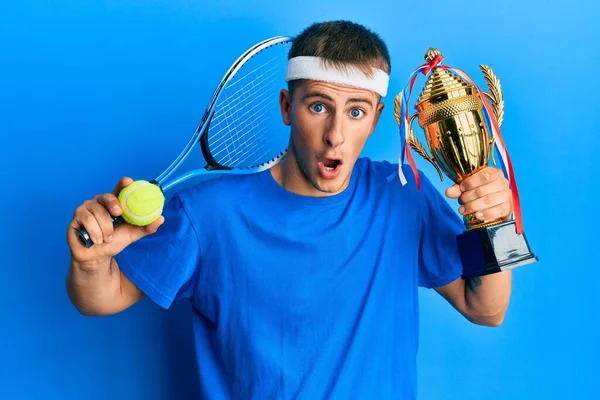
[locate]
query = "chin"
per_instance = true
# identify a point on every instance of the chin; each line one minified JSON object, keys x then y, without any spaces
{"x":331,"y":186}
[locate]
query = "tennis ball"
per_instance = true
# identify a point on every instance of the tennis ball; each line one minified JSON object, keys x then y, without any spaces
{"x":142,"y":203}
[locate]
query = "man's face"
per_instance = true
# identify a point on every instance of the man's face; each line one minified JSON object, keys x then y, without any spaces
{"x":330,"y":124}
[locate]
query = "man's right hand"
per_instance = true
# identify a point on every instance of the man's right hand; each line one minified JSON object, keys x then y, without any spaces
{"x":95,"y":217}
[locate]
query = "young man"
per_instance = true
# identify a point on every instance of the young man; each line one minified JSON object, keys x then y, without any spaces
{"x":304,"y":278}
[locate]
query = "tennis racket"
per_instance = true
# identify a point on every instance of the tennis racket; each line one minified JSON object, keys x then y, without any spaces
{"x":241,"y":131}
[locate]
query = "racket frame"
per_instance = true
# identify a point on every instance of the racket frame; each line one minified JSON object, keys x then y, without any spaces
{"x":201,"y":136}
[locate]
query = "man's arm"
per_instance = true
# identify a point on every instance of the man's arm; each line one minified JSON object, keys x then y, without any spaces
{"x":100,"y":290}
{"x":482,"y":300}
{"x":95,"y":284}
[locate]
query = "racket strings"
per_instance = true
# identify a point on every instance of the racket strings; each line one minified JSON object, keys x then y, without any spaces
{"x":239,"y":79}
{"x":240,"y":120}
{"x":250,"y":135}
{"x":234,"y":110}
{"x":262,"y":130}
{"x":246,"y":128}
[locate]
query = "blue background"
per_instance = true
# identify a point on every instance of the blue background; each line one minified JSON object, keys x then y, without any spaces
{"x":91,"y":91}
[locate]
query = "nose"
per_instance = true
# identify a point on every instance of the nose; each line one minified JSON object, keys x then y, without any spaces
{"x":334,"y":136}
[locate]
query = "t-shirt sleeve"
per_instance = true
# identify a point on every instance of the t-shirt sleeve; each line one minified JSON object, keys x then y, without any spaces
{"x":439,"y":257}
{"x":165,"y":265}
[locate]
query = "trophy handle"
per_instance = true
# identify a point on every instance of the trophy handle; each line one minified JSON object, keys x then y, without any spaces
{"x":497,"y":99}
{"x":418,"y":147}
{"x":495,"y":94}
{"x":491,"y":150}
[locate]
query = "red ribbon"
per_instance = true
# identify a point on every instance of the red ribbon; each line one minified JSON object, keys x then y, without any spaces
{"x":431,"y":64}
{"x":427,"y":67}
{"x":513,"y":181}
{"x":411,"y":161}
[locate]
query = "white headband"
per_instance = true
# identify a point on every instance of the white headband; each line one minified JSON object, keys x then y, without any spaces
{"x":312,"y":68}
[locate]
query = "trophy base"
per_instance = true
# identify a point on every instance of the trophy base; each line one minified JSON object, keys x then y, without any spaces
{"x":493,"y":249}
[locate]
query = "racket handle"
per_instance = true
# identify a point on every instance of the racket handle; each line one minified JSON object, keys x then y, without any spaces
{"x":84,"y":237}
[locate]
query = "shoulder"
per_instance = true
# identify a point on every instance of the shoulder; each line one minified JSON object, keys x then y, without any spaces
{"x":387,"y":173}
{"x":376,"y":168}
{"x":376,"y":174}
{"x":209,"y":202}
{"x":217,"y":192}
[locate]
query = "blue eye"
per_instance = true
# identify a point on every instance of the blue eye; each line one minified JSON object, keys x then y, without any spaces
{"x":317,"y":107}
{"x":356,"y":113}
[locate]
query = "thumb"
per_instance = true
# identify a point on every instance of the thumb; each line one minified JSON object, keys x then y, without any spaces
{"x":454,"y":191}
{"x":138,"y":232}
{"x":127,"y":234}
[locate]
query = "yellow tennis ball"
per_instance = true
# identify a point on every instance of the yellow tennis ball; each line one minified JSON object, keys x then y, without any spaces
{"x":142,"y":203}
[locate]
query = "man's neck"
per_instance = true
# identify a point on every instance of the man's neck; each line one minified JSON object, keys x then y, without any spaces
{"x":290,"y":177}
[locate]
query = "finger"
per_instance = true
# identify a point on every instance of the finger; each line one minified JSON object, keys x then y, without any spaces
{"x":503,"y":211}
{"x":153,"y":227}
{"x":123,"y":182}
{"x":480,"y":178}
{"x":127,"y":234}
{"x":485,"y":202}
{"x":453,"y":192}
{"x":103,"y":219}
{"x":499,"y":185}
{"x":138,"y":232}
{"x":83,"y":218}
{"x":111,"y":203}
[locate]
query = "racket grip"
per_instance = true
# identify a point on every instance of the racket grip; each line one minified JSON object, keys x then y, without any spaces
{"x":84,"y":237}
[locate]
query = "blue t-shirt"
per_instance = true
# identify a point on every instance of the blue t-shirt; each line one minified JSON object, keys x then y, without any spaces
{"x":302,"y":297}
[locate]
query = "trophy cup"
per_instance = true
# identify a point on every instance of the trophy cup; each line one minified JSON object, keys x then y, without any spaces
{"x":451,"y":112}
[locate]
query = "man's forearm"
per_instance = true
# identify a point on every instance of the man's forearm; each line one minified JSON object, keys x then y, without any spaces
{"x":487,"y":297}
{"x":91,"y":288}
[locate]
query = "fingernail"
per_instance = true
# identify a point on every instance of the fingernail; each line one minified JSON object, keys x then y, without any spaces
{"x":461,"y":209}
{"x":109,"y":239}
{"x":479,"y":214}
{"x":99,"y":240}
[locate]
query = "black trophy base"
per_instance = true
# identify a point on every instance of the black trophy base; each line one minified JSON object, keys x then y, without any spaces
{"x":493,"y":249}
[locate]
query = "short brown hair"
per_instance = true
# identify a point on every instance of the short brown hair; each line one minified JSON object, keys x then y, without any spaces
{"x":343,"y":43}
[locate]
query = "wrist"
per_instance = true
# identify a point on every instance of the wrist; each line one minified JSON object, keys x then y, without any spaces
{"x":91,"y":267}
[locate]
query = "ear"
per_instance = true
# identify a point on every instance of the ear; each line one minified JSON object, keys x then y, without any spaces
{"x":378,"y":111}
{"x":285,"y":104}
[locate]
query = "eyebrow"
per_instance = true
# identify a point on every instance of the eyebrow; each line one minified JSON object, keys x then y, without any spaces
{"x":326,"y":97}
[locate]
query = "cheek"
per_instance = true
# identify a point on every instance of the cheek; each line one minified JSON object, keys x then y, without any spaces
{"x":359,"y":133}
{"x":306,"y":129}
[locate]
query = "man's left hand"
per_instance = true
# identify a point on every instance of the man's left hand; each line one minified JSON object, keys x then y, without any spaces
{"x":485,"y":194}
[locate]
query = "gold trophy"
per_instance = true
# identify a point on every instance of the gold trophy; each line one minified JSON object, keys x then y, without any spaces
{"x":450,"y":111}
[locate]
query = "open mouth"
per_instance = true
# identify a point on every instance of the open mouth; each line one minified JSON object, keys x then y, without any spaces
{"x":331,"y":164}
{"x":329,"y":168}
